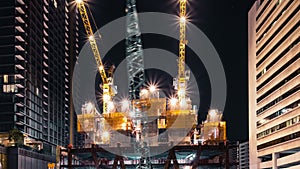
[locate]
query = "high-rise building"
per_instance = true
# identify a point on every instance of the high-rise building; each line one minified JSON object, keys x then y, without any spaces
{"x":274,"y":76}
{"x":233,"y":154}
{"x":244,"y":155}
{"x":38,"y":50}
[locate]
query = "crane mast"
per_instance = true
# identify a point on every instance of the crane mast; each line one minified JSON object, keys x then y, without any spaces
{"x":134,"y":51}
{"x":136,"y":80}
{"x":107,"y":81}
{"x":183,"y":75}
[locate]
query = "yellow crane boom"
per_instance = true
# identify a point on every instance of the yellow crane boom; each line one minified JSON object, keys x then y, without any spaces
{"x":107,"y":82}
{"x":181,"y":63}
{"x":92,"y":40}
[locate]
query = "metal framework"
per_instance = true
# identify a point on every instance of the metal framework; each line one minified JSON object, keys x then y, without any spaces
{"x":181,"y":81}
{"x":107,"y":81}
{"x":215,"y":155}
{"x":136,"y":80}
{"x":134,"y":51}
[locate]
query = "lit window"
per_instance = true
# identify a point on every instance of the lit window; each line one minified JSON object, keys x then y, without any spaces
{"x":37,"y":91}
{"x":5,"y":88}
{"x":12,"y":88}
{"x":264,"y":71}
{"x":5,"y":78}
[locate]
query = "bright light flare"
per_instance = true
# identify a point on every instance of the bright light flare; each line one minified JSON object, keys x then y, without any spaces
{"x":182,"y":19}
{"x":144,"y":93}
{"x":131,"y":114}
{"x":124,"y":126}
{"x":213,"y":113}
{"x":78,"y":1}
{"x":91,"y":37}
{"x":89,"y":107}
{"x":101,"y":67}
{"x":183,"y":104}
{"x":105,"y":134}
{"x":106,"y":97}
{"x":125,"y":103}
{"x":110,"y":105}
{"x":152,"y":88}
{"x":181,"y":92}
{"x":173,"y":101}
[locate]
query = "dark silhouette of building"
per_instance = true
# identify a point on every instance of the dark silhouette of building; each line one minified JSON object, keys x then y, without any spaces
{"x":38,"y":50}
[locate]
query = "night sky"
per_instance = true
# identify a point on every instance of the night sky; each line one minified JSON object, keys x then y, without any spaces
{"x":225,"y":24}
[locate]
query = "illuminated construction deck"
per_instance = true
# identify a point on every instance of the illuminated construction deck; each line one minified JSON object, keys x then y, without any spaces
{"x":180,"y":155}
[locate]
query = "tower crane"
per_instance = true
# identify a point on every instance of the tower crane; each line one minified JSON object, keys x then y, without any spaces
{"x":136,"y":80}
{"x":109,"y":90}
{"x":134,"y":51}
{"x":180,"y":83}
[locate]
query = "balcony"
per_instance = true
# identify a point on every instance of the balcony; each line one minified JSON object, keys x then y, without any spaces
{"x":66,"y":28}
{"x":20,"y":114}
{"x":19,"y":76}
{"x":45,"y":17}
{"x":19,"y":123}
{"x":45,"y":64}
{"x":20,"y":29}
{"x":20,"y":95}
{"x":46,"y":96}
{"x":20,"y":67}
{"x":44,"y":87}
{"x":20,"y":20}
{"x":19,"y":38}
{"x":20,"y":86}
{"x":45,"y":80}
{"x":45,"y":56}
{"x":45,"y":72}
{"x":21,"y":2}
{"x":45,"y":33}
{"x":20,"y":10}
{"x":19,"y":57}
{"x":20,"y":104}
{"x":19,"y":47}
{"x":45,"y":48}
{"x":45,"y":25}
{"x":46,"y":3}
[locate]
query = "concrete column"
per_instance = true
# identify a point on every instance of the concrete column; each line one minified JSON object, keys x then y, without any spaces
{"x":274,"y":160}
{"x":252,"y":86}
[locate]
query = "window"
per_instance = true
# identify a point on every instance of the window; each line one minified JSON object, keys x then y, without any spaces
{"x":5,"y":78}
{"x":9,"y":88}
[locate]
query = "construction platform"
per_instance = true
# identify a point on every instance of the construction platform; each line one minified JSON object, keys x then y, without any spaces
{"x":179,"y":156}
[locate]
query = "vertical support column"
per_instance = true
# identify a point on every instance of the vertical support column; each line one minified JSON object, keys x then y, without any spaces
{"x":252,"y":95}
{"x":171,"y":157}
{"x":118,"y":159}
{"x":95,"y":157}
{"x":227,"y":165}
{"x":197,"y":158}
{"x":69,"y":158}
{"x":61,"y":160}
{"x":274,"y":160}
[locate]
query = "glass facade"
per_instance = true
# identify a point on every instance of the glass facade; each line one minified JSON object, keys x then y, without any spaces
{"x":38,"y":48}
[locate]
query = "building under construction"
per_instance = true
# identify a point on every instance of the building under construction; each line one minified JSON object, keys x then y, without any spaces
{"x":134,"y":132}
{"x":203,"y":146}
